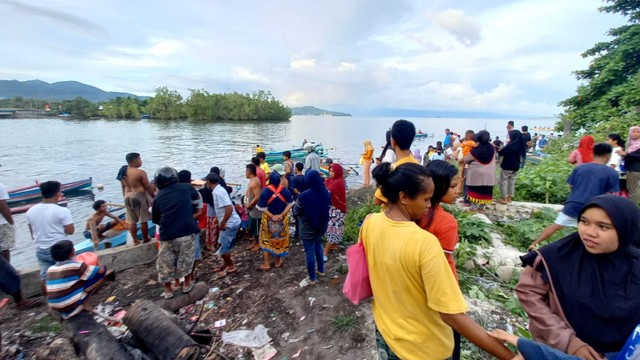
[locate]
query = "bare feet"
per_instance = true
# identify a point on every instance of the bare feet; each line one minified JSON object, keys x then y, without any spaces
{"x":279,"y":262}
{"x":264,"y":267}
{"x":220,"y":268}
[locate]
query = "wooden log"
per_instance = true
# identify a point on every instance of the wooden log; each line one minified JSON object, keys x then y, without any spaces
{"x":181,"y":300}
{"x":93,"y":340}
{"x":162,"y":336}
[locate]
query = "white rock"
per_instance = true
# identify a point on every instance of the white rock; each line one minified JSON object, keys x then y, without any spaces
{"x":469,"y":265}
{"x":482,"y":217}
{"x":506,"y":273}
{"x":501,"y":207}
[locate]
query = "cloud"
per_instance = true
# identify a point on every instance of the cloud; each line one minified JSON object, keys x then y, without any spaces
{"x":462,"y":27}
{"x":302,"y":63}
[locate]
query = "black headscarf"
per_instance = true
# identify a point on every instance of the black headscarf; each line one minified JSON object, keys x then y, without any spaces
{"x":516,"y":141}
{"x":599,"y":294}
{"x":484,"y":152}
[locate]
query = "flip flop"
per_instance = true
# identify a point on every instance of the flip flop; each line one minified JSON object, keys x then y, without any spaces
{"x":189,"y":288}
{"x":4,"y":302}
{"x":263,"y":269}
{"x":235,"y":270}
{"x":279,"y":264}
{"x":220,"y":268}
{"x":167,"y":295}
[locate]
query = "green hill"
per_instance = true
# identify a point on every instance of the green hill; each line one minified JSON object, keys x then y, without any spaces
{"x":314,"y":111}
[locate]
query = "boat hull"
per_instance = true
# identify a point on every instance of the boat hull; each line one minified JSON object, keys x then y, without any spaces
{"x":32,"y":193}
{"x":114,"y":237}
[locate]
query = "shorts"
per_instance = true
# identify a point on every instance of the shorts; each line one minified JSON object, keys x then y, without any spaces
{"x":254,"y":226}
{"x":107,"y":227}
{"x":137,"y":206}
{"x":45,"y":261}
{"x":7,"y":237}
{"x":226,"y":238}
{"x":566,"y":220}
{"x":175,"y":258}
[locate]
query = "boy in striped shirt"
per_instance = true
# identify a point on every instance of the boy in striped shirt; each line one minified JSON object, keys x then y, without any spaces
{"x":69,"y":282}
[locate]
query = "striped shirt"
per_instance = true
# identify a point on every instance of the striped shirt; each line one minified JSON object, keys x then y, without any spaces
{"x":66,"y":286}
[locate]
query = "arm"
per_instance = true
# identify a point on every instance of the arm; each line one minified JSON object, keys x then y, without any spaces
{"x":94,"y":233}
{"x":69,"y":229}
{"x":284,"y":212}
{"x":116,"y":219}
{"x":544,"y":324}
{"x":5,"y":211}
{"x":468,"y":159}
{"x":197,"y":213}
{"x":147,"y":185}
{"x":468,"y":328}
{"x":122,"y":185}
{"x":228,"y":210}
{"x":31,"y":231}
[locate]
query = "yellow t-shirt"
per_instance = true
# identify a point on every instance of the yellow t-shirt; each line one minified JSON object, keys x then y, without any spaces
{"x":408,"y":159}
{"x":265,"y":167}
{"x":412,"y":284}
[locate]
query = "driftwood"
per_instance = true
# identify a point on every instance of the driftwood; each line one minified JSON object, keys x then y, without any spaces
{"x":93,"y":339}
{"x":159,"y":333}
{"x":181,"y":300}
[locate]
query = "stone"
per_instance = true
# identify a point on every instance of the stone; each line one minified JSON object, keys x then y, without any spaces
{"x":501,"y":207}
{"x":507,"y":273}
{"x":469,"y":265}
{"x":60,"y":349}
{"x":482,"y":217}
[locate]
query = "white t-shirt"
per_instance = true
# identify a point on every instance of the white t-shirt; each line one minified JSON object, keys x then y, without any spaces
{"x":615,"y":158}
{"x":221,"y":200}
{"x":4,"y":195}
{"x":47,"y":222}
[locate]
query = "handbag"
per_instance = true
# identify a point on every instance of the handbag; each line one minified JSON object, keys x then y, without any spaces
{"x":357,"y":286}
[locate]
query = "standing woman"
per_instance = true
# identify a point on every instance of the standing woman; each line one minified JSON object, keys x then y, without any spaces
{"x":367,"y":158}
{"x":312,"y":212}
{"x":511,"y":158}
{"x":338,"y":190}
{"x":632,"y":163}
{"x":481,"y":172}
{"x":581,"y":292}
{"x":387,"y":154}
{"x":584,"y":153}
{"x":416,"y":300}
{"x":275,"y":202}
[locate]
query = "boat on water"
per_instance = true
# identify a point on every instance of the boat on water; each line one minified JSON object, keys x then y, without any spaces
{"x":32,"y":192}
{"x":113,"y":238}
{"x":298,"y":153}
{"x":24,"y":208}
{"x":424,"y":135}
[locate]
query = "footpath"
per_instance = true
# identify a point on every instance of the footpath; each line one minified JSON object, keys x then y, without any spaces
{"x":303,"y":321}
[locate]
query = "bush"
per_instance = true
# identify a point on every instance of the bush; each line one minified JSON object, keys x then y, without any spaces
{"x":522,"y":233}
{"x":353,"y":220}
{"x":545,"y":182}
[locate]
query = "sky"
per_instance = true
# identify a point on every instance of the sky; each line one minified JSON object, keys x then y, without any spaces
{"x":509,"y":57}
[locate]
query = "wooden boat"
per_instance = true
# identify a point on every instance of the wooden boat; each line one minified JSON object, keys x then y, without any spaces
{"x":32,"y":192}
{"x":114,"y":237}
{"x":24,"y":208}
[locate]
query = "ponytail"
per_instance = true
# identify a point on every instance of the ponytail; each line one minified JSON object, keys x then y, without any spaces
{"x":409,"y":178}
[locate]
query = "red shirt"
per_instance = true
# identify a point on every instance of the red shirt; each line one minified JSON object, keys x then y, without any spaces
{"x":262,"y":177}
{"x":445,"y":227}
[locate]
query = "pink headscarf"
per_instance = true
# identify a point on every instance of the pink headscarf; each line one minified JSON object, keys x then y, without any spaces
{"x":633,"y":145}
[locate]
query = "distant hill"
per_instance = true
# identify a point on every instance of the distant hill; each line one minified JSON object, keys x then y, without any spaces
{"x":425,"y":113}
{"x":64,"y":90}
{"x":310,"y":110}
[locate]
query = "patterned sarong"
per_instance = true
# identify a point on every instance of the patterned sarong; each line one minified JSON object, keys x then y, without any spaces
{"x":274,"y":236}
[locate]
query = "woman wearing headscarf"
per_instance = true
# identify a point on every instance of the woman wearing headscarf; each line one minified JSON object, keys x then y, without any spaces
{"x":481,"y":172}
{"x":312,"y":211}
{"x":584,"y":152}
{"x":367,"y":160}
{"x":632,"y":163}
{"x":511,"y":157}
{"x":275,"y":202}
{"x":338,"y":189}
{"x":417,"y":155}
{"x":581,"y":292}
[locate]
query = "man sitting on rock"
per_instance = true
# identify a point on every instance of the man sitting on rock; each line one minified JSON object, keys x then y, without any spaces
{"x":69,"y":282}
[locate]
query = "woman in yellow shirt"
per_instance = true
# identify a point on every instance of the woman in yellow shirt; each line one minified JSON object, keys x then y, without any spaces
{"x":416,"y":299}
{"x":367,"y":158}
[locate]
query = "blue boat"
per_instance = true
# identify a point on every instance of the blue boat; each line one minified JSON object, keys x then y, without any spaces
{"x":114,"y":238}
{"x":32,"y":192}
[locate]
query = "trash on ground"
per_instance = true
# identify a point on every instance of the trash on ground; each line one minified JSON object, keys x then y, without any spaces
{"x":255,"y":338}
{"x":311,"y":301}
{"x":220,"y":323}
{"x":264,"y":353}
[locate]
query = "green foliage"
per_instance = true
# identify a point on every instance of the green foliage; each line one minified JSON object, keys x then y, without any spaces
{"x":166,"y":104}
{"x":345,"y":322}
{"x":545,"y":182}
{"x":123,"y":108}
{"x":612,"y":80}
{"x":472,"y":230}
{"x":47,"y":325}
{"x":353,"y":220}
{"x":522,"y":233}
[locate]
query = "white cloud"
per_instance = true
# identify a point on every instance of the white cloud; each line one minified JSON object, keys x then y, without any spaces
{"x":462,"y":27}
{"x":302,"y":63}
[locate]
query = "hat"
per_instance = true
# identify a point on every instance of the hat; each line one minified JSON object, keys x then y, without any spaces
{"x":309,"y":147}
{"x":278,"y":168}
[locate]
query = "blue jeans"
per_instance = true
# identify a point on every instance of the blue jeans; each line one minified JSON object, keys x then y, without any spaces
{"x":313,"y":251}
{"x":45,"y":261}
{"x":226,"y":238}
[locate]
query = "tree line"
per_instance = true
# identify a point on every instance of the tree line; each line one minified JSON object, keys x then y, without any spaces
{"x":170,"y":105}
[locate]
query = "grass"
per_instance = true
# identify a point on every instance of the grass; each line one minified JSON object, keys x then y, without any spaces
{"x":345,"y":323}
{"x":46,"y":325}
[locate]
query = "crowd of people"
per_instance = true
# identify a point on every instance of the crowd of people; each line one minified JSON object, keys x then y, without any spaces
{"x":580,"y":293}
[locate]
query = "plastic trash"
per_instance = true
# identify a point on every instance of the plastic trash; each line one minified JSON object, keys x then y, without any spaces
{"x":255,"y":338}
{"x":266,"y":352}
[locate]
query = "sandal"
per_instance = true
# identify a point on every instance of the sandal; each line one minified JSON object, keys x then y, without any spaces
{"x":313,"y":282}
{"x":220,"y":268}
{"x":321,"y":274}
{"x":263,"y":268}
{"x":279,"y":263}
{"x":235,"y":270}
{"x":167,"y":295}
{"x":189,"y":288}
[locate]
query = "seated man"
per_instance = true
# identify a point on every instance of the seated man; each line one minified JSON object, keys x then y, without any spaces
{"x":94,"y":229}
{"x":69,"y":282}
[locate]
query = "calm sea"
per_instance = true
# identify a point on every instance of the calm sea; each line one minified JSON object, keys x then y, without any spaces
{"x":68,"y":150}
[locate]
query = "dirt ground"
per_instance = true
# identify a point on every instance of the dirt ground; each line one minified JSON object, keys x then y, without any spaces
{"x":316,"y":321}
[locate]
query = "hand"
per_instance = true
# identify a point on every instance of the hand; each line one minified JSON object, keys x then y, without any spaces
{"x":588,"y":353}
{"x":276,"y":217}
{"x":504,"y":336}
{"x":621,"y":152}
{"x":223,"y":226}
{"x":532,"y":247}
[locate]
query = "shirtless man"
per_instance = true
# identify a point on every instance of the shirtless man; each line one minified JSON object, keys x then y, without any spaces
{"x":94,"y":229}
{"x":135,"y":188}
{"x":251,"y":200}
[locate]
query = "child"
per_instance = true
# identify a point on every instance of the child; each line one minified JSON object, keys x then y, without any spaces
{"x":69,"y":282}
{"x":243,"y":214}
{"x":94,"y":229}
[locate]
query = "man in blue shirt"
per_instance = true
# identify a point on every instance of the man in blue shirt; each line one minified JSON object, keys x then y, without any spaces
{"x":586,"y":181}
{"x":447,"y":138}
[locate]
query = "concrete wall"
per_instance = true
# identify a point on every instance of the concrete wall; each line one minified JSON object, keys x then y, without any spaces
{"x":118,"y":259}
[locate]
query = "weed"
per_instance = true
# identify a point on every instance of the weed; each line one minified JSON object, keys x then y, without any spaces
{"x":353,"y":221}
{"x":345,"y":322}
{"x":343,"y":269}
{"x":47,"y":325}
{"x":522,"y":233}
